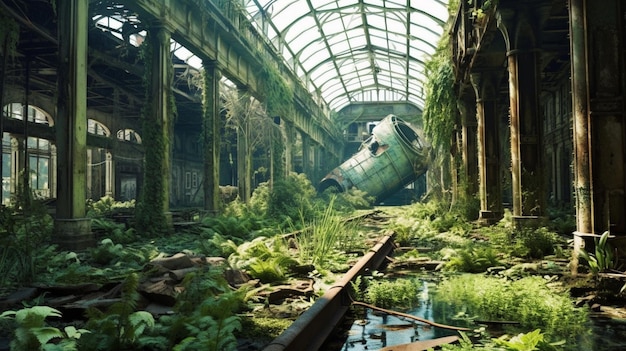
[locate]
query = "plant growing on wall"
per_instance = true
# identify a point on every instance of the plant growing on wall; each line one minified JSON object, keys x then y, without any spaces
{"x":150,"y":216}
{"x":278,"y":95}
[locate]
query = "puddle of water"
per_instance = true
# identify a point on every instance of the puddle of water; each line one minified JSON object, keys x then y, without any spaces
{"x":372,"y":330}
{"x":377,"y":330}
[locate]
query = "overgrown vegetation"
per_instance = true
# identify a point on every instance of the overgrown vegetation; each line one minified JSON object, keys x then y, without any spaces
{"x":25,"y":226}
{"x":287,"y":232}
{"x":150,"y":213}
{"x":531,"y":301}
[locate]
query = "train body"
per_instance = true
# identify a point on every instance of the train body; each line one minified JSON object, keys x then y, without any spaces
{"x":393,"y":156}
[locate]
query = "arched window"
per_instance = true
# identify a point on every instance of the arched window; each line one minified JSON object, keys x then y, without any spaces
{"x":39,"y":151}
{"x":16,"y":110}
{"x":129,"y":135}
{"x":97,"y":128}
{"x":38,"y":164}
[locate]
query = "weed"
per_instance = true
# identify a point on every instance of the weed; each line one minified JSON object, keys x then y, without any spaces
{"x":529,"y":301}
{"x":397,"y":294}
{"x":323,"y":236}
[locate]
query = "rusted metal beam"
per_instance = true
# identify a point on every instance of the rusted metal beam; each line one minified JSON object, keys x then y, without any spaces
{"x":315,"y":325}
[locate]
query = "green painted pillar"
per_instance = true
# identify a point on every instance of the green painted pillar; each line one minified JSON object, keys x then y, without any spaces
{"x":72,"y":229}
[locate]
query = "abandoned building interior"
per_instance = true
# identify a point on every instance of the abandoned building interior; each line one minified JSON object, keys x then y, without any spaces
{"x":89,"y":111}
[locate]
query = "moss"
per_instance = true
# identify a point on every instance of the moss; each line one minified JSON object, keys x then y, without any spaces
{"x":150,"y":215}
{"x":264,"y":328}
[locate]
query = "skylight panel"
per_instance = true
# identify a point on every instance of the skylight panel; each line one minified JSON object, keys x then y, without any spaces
{"x":303,"y":28}
{"x":313,"y":54}
{"x":436,"y":8}
{"x":326,"y":4}
{"x":335,"y":91}
{"x":322,"y":76}
{"x":349,"y":60}
{"x":380,"y":3}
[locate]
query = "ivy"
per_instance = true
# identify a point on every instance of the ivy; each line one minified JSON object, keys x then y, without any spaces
{"x":278,"y":95}
{"x":440,"y":104}
{"x":150,"y":216}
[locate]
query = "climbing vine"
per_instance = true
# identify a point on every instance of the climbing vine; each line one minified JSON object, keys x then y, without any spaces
{"x":278,"y":95}
{"x":150,"y":216}
{"x":440,"y":104}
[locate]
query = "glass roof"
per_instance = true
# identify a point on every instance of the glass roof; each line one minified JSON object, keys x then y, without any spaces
{"x":354,"y":51}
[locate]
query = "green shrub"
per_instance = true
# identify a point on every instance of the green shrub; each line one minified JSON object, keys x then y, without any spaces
{"x":534,"y":243}
{"x":395,"y":294}
{"x":25,"y":232}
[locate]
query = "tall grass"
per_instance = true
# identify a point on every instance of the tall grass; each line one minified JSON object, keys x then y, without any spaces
{"x":323,"y":237}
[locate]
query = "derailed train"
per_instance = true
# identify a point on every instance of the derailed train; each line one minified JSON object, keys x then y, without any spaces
{"x":392,"y":157}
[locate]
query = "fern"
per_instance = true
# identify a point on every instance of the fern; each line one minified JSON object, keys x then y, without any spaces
{"x":210,"y":334}
{"x":120,"y":326}
{"x":205,"y":318}
{"x":32,"y":333}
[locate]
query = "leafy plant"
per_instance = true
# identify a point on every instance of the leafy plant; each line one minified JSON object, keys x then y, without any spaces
{"x":264,"y":258}
{"x":107,"y":206}
{"x":531,"y":341}
{"x":472,"y":260}
{"x":108,"y":252}
{"x":206,"y":314}
{"x":121,"y":326}
{"x":604,"y":258}
{"x":440,"y":107}
{"x":32,"y":332}
{"x":526,"y":342}
{"x":24,"y":227}
{"x":534,"y":242}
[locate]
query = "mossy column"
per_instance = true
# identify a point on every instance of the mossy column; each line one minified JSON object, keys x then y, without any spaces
{"x":580,"y":116}
{"x":598,"y":77}
{"x":290,"y":140}
{"x":469,"y":143}
{"x":72,"y":229}
{"x":153,"y":215}
{"x":211,"y":131}
{"x":306,"y":155}
{"x":488,"y":130}
{"x":244,"y":149}
{"x":520,"y":27}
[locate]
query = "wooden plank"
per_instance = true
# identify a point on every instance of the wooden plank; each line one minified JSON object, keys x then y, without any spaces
{"x":422,"y":345}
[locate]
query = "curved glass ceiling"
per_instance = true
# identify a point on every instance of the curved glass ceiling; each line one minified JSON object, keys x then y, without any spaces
{"x":355,"y":51}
